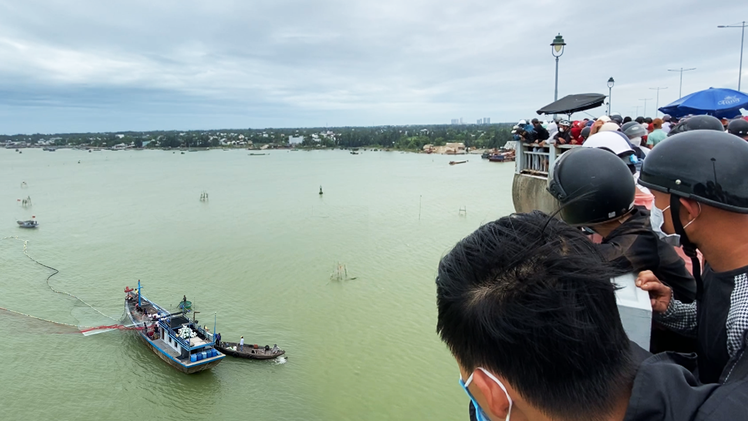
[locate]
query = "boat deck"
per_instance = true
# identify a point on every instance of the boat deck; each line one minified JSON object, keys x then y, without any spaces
{"x":197,"y":341}
{"x":166,"y":348}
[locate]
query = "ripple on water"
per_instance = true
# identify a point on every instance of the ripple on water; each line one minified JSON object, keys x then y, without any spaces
{"x":260,"y":254}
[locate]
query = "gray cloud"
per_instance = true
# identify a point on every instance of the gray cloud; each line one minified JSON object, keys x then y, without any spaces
{"x":117,"y":65}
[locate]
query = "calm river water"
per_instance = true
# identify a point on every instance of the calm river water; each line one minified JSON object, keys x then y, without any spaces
{"x":260,"y":253}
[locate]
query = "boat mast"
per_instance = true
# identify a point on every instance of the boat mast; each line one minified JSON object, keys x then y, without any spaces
{"x":140,"y":294}
{"x":214,"y":327}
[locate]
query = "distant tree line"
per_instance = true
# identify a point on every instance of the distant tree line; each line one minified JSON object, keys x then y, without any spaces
{"x":396,"y":137}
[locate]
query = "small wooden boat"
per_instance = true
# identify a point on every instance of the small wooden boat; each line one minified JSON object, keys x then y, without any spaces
{"x":176,"y":339}
{"x":354,"y":153}
{"x":31,"y":223}
{"x":257,"y":154}
{"x":250,"y":351}
{"x":456,"y":162}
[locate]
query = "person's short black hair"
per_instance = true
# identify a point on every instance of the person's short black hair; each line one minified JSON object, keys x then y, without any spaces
{"x":534,"y":121}
{"x":530,"y":298}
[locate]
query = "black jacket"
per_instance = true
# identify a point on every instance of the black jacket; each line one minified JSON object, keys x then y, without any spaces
{"x":562,"y":138}
{"x":666,"y":389}
{"x":634,"y":247}
{"x":541,"y":133}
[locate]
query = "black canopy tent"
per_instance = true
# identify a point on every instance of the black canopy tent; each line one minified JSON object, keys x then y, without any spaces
{"x":573,"y":103}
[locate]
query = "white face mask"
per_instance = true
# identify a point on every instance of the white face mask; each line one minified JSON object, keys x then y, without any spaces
{"x":657,"y":219}
{"x":561,"y":130}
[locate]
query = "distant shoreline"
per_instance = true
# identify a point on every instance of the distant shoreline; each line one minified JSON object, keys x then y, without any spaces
{"x":260,"y":151}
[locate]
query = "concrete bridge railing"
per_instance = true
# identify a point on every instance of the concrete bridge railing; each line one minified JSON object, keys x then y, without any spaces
{"x":533,"y":167}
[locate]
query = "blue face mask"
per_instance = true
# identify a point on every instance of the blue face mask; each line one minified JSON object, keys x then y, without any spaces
{"x":480,"y":415}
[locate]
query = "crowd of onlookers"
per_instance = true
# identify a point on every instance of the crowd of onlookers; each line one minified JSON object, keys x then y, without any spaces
{"x":641,"y":131}
{"x":527,"y":304}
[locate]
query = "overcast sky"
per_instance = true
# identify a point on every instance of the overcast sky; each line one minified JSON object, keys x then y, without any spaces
{"x":93,"y":65}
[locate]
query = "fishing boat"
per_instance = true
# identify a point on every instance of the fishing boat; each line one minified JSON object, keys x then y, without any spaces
{"x":456,"y":162}
{"x":31,"y":223}
{"x":257,"y":154}
{"x":176,"y":339}
{"x":501,"y":157}
{"x":253,"y":352}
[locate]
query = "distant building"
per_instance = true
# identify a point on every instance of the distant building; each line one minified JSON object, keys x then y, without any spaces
{"x":455,"y":121}
{"x":487,"y":120}
{"x":295,"y":140}
{"x":480,"y":121}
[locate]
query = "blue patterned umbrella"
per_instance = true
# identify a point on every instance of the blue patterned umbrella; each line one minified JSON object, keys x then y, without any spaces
{"x":713,"y":101}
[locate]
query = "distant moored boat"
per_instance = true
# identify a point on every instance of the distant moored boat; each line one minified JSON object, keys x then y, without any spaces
{"x":31,"y":223}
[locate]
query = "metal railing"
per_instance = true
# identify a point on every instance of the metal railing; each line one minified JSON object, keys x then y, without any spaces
{"x":183,"y":343}
{"x":166,"y":326}
{"x":533,"y":159}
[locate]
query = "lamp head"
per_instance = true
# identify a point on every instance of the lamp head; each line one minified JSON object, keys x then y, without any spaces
{"x":611,"y":82}
{"x":558,"y":46}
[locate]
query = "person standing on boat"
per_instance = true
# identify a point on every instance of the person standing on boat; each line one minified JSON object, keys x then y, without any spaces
{"x":218,"y":339}
{"x":701,"y":200}
{"x":241,"y":344}
{"x":596,"y":190}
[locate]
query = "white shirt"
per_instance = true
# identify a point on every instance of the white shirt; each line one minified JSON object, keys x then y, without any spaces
{"x":552,"y":130}
{"x":666,"y":127}
{"x":241,"y":342}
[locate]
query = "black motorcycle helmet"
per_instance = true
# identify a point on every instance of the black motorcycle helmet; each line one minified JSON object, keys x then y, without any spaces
{"x":585,"y":133}
{"x":738,"y":127}
{"x":633,"y":129}
{"x":704,"y":165}
{"x":697,"y":122}
{"x":593,"y":186}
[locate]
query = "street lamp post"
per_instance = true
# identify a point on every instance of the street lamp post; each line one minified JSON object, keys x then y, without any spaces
{"x":557,"y":49}
{"x":742,"y":38}
{"x":645,"y":104}
{"x":657,"y":103}
{"x":680,"y":85}
{"x":611,"y":82}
